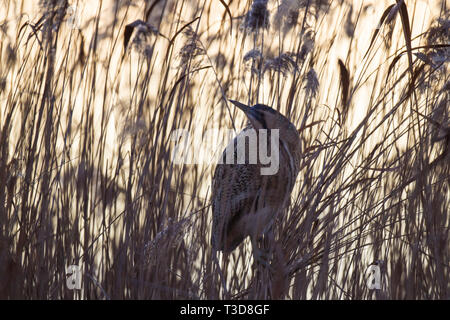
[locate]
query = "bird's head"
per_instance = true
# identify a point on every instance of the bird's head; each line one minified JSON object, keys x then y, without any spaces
{"x":264,"y":117}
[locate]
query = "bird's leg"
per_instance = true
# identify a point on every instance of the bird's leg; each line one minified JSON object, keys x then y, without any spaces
{"x":263,"y":289}
{"x":268,"y":239}
{"x":261,"y":255}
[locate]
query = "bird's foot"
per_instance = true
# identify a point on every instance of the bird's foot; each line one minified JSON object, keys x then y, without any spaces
{"x":261,"y":257}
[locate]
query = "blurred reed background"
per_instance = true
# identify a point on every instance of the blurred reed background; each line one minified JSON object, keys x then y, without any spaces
{"x":90,"y":98}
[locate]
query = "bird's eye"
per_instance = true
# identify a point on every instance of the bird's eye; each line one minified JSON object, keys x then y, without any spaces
{"x":261,"y":119}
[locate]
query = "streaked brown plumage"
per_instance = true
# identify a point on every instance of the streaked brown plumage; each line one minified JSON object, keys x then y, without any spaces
{"x":245,"y":202}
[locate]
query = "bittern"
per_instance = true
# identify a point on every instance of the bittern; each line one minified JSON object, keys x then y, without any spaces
{"x":245,"y":202}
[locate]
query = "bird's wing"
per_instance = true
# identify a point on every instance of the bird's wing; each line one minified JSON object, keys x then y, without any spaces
{"x":234,"y":189}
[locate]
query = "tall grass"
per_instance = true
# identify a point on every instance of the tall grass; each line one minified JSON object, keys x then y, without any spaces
{"x":90,"y":98}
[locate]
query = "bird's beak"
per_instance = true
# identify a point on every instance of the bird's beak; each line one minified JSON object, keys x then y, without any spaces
{"x":252,"y":115}
{"x":242,"y":106}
